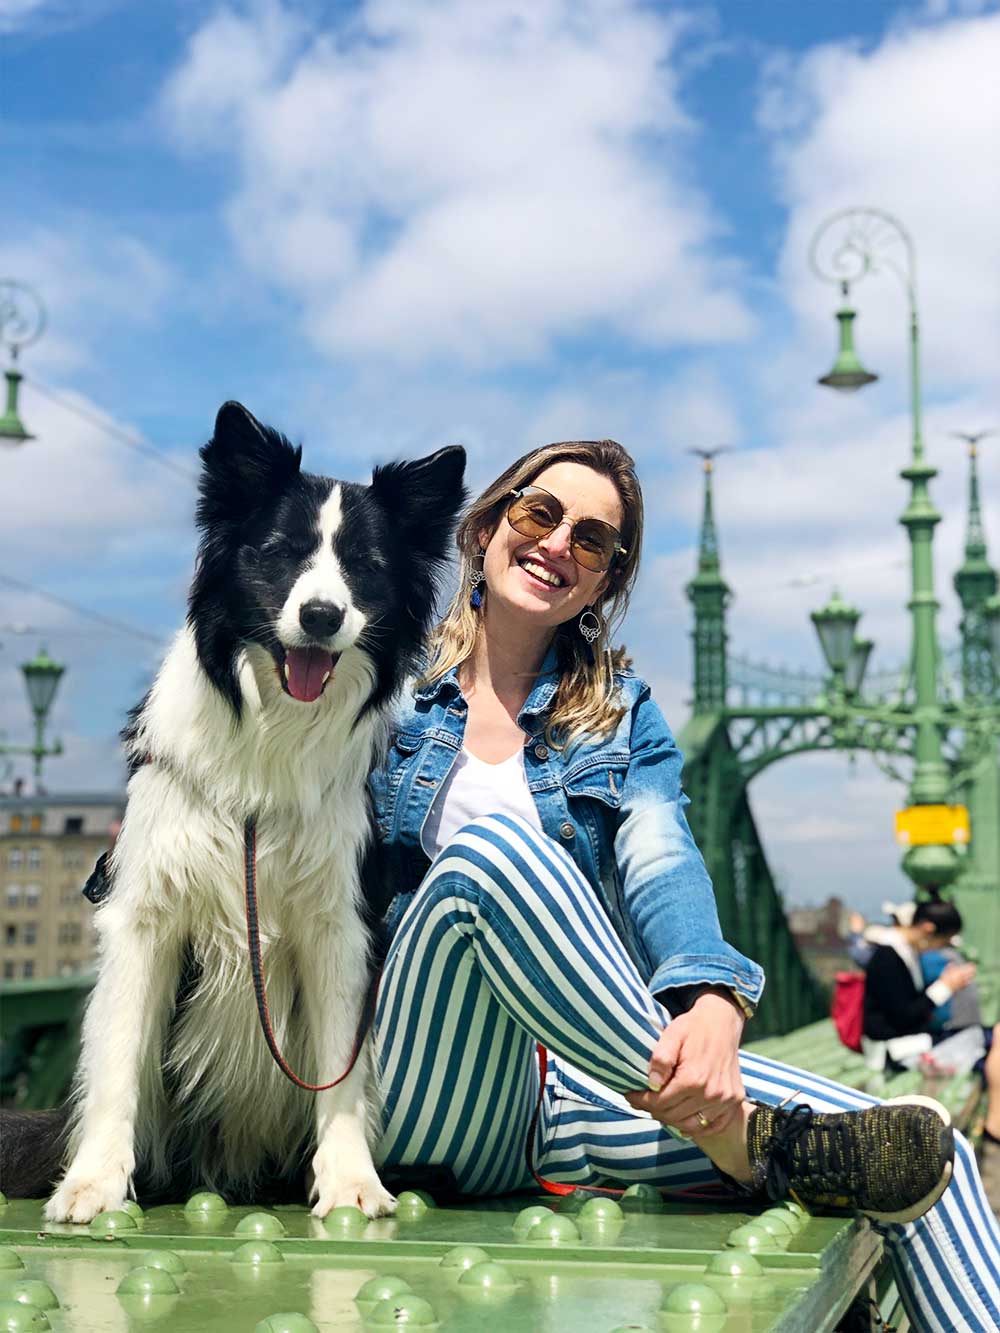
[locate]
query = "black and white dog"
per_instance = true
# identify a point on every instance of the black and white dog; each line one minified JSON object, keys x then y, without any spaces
{"x":308,"y":608}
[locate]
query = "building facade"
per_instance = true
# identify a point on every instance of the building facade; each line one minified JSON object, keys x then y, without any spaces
{"x":48,"y":846}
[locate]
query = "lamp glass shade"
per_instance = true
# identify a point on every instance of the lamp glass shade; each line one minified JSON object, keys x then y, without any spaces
{"x":42,"y":676}
{"x":847,"y":374}
{"x":857,"y":664}
{"x":835,"y":624}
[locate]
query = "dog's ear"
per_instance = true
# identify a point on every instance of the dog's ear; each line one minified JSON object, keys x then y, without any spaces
{"x":424,"y":497}
{"x":245,"y":465}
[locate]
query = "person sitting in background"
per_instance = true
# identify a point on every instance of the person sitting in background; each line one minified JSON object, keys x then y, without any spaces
{"x":900,"y":1009}
{"x":899,"y":1004}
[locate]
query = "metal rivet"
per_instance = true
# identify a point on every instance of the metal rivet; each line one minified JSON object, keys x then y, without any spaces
{"x":567,"y":831}
{"x":541,"y":752}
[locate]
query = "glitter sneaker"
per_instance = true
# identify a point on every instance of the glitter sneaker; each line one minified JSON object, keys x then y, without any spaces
{"x":891,"y":1162}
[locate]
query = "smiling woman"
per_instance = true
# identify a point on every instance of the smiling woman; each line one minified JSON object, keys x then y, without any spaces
{"x":557,"y":997}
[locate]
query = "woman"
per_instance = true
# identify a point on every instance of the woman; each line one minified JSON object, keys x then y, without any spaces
{"x":578,"y":914}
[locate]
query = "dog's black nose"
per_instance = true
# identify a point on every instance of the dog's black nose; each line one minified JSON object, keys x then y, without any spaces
{"x":321,"y":619}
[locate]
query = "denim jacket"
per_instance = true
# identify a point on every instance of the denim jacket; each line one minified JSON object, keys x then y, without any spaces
{"x":614,"y":804}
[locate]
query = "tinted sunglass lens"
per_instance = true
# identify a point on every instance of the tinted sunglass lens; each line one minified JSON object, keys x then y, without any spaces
{"x":593,"y":545}
{"x":534,"y":515}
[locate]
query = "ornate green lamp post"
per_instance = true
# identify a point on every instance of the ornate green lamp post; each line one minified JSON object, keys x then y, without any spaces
{"x":41,"y":678}
{"x":850,"y":245}
{"x":22,"y":320}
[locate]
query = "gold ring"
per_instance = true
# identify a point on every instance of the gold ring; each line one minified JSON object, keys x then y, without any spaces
{"x":701,"y":1119}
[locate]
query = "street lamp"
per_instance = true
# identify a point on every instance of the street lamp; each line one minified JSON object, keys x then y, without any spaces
{"x":849,"y":246}
{"x":41,"y":678}
{"x":22,"y":319}
{"x":857,"y":664}
{"x":848,"y":374}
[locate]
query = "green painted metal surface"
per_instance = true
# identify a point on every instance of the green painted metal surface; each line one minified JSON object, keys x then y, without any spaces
{"x":516,"y":1265}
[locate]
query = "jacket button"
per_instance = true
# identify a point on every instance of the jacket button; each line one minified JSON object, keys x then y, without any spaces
{"x":541,"y":752}
{"x":567,"y":831}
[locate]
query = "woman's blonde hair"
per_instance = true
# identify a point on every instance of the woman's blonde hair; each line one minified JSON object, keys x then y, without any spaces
{"x":586,"y":701}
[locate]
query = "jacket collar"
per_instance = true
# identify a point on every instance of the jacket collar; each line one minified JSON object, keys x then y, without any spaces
{"x":536,"y":704}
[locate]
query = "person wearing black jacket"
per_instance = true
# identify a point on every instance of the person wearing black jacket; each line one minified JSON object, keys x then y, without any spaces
{"x":898,"y":1009}
{"x":897,"y":1004}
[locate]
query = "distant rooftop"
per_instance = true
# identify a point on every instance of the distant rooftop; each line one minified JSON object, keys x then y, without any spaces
{"x":43,"y":800}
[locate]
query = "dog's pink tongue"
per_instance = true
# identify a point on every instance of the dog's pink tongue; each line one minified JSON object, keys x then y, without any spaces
{"x":307,"y":672}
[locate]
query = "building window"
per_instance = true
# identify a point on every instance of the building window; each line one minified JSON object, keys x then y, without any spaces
{"x":67,"y":968}
{"x":13,"y":895}
{"x":32,"y":894}
{"x":35,"y":823}
{"x":16,"y":823}
{"x":10,"y":935}
{"x":29,"y":970}
{"x":34,"y":858}
{"x":15,"y":858}
{"x":8,"y":969}
{"x":72,"y":859}
{"x":73,"y":824}
{"x":30,"y":932}
{"x":69,"y":932}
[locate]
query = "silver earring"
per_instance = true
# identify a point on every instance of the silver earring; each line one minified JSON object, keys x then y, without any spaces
{"x":476,"y":577}
{"x":592,"y":630}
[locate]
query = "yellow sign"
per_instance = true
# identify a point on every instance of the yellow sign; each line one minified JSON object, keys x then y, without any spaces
{"x":920,"y":825}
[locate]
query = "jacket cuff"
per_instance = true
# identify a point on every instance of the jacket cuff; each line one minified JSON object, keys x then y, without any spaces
{"x":744,"y":978}
{"x":938,"y":992}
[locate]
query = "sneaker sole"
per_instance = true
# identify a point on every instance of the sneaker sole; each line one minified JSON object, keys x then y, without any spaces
{"x":929,"y":1200}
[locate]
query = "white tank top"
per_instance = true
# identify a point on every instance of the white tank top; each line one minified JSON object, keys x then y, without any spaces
{"x":474,"y":788}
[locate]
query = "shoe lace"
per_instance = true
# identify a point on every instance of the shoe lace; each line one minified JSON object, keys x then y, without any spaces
{"x":825,"y":1161}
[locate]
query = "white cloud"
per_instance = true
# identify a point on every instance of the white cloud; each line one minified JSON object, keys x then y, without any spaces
{"x":911,"y":128}
{"x":463,"y":181}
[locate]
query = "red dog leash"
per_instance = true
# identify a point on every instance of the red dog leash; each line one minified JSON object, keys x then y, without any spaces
{"x":257,"y":972}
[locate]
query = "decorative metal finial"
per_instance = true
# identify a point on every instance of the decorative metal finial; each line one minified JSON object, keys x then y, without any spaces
{"x":707,"y":455}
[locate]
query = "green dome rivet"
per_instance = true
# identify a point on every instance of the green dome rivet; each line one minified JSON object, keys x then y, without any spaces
{"x":286,"y":1323}
{"x":132,"y":1208}
{"x":10,"y":1258}
{"x":527,"y":1218}
{"x":734,"y":1263}
{"x":264,"y":1226}
{"x":412,"y":1204}
{"x":18,"y":1318}
{"x":345,"y":1221}
{"x":642,"y":1199}
{"x":146,"y":1281}
{"x":257,"y":1252}
{"x":558,"y":1230}
{"x":794,"y":1221}
{"x":778,"y":1224}
{"x":602,"y":1210}
{"x":572,"y":1202}
{"x":201,"y":1206}
{"x":487,"y":1282}
{"x":404,"y":1310}
{"x":106,"y":1226}
{"x":377,"y":1289}
{"x":165,"y":1259}
{"x":30,"y":1291}
{"x":464,"y":1256}
{"x":693,"y":1298}
{"x":752,"y":1237}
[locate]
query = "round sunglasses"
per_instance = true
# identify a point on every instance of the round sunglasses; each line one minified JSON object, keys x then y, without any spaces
{"x":593,"y":543}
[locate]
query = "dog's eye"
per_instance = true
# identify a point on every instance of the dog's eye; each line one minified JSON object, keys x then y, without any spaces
{"x":286,"y":549}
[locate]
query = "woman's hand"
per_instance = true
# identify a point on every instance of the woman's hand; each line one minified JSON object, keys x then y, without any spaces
{"x":958,"y":975}
{"x":695,"y":1069}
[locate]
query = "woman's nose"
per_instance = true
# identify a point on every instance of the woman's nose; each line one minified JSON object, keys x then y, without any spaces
{"x":557,"y":542}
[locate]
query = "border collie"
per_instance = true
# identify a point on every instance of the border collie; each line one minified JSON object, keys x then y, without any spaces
{"x":309,"y":605}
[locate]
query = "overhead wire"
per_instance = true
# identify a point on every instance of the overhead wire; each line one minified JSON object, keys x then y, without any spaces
{"x":98,"y":617}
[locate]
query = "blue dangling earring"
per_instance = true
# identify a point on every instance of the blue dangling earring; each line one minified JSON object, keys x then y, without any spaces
{"x":476,"y":577}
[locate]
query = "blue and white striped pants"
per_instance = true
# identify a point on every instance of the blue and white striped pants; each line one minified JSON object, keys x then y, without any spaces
{"x":505,"y":945}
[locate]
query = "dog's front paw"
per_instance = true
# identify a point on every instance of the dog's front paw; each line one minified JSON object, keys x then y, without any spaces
{"x":82,"y":1195}
{"x":365,"y":1192}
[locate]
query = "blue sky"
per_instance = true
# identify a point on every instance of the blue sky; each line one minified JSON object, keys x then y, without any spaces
{"x":391,"y":225}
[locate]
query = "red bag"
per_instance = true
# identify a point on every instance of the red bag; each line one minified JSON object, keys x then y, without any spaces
{"x":848,"y":1008}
